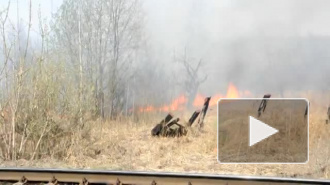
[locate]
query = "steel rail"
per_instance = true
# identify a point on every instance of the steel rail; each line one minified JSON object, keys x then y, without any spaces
{"x":68,"y":176}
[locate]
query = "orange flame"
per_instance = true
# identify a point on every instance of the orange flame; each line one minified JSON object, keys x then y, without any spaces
{"x":199,"y":100}
{"x":180,"y":102}
{"x":177,"y":104}
{"x":232,"y":91}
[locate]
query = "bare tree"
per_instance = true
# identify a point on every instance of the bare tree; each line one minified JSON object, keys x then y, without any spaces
{"x":6,"y":50}
{"x":15,"y":73}
{"x":193,"y":77}
{"x":109,"y":34}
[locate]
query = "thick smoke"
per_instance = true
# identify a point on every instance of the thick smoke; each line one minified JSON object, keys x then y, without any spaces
{"x":262,"y":46}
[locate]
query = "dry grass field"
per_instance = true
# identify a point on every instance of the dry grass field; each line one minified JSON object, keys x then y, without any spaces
{"x":127,"y":145}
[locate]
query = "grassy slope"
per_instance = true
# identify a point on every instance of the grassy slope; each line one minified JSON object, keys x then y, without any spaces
{"x":129,"y":146}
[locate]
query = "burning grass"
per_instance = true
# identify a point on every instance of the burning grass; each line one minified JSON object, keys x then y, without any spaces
{"x":179,"y":103}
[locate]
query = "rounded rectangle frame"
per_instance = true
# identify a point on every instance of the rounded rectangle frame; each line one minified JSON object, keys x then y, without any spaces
{"x":308,"y":104}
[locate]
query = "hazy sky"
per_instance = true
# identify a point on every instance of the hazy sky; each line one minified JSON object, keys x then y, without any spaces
{"x":169,"y":21}
{"x":257,"y":44}
{"x":47,"y":7}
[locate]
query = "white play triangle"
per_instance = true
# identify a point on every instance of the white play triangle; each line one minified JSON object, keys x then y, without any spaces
{"x":259,"y":131}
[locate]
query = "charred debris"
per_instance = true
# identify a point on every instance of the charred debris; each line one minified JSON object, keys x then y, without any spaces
{"x":170,"y":126}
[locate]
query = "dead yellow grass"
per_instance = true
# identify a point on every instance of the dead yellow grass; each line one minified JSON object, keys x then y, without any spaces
{"x":128,"y":145}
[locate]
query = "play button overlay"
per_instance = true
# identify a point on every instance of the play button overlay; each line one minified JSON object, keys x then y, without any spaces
{"x":261,"y":130}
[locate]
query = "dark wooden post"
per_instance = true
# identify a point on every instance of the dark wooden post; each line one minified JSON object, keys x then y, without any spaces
{"x":203,"y":112}
{"x":263,"y":104}
{"x":193,"y":117}
{"x":306,"y":110}
{"x":329,"y":113}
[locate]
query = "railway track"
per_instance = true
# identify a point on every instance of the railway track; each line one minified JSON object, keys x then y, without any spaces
{"x":20,"y":176}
